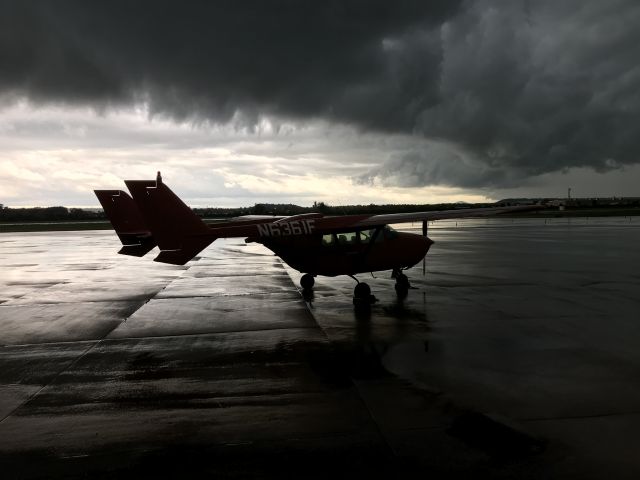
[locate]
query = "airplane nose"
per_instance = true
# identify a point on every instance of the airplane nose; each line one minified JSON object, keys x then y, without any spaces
{"x":415,"y":247}
{"x":425,"y":245}
{"x":427,"y":242}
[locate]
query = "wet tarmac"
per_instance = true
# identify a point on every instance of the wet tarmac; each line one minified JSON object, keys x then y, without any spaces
{"x":515,"y":356}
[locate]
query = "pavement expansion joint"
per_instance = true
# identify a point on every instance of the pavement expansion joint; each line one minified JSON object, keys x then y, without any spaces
{"x":153,"y":296}
{"x":51,"y":381}
{"x":210,"y":334}
{"x":75,"y":360}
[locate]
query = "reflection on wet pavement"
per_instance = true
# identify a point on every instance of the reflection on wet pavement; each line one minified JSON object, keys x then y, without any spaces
{"x":520,"y":334}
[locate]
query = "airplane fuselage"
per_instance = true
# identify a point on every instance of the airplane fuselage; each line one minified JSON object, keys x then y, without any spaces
{"x":349,"y":252}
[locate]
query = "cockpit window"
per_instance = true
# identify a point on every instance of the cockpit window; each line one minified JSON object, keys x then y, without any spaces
{"x":367,"y":235}
{"x":390,"y":233}
{"x":328,"y":240}
{"x":363,"y":237}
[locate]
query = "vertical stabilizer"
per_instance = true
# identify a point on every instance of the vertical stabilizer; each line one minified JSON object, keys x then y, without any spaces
{"x":180,"y":233}
{"x":127,"y":221}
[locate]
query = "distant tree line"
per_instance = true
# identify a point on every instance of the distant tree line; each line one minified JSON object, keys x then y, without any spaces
{"x":54,"y":214}
{"x":58,"y":214}
{"x":280,"y":209}
{"x":48,"y":214}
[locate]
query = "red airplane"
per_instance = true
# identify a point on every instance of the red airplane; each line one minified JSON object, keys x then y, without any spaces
{"x":312,"y":243}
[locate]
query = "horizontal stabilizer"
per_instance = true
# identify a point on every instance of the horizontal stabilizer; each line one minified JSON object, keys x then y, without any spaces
{"x":183,"y":255}
{"x":139,"y":250}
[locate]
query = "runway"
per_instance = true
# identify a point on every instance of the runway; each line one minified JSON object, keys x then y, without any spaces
{"x":516,"y":355}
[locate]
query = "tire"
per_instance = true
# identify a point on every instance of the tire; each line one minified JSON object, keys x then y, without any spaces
{"x":362,"y":291}
{"x":307,"y":281}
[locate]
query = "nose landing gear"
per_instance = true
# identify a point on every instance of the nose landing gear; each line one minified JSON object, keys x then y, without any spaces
{"x":402,"y":283}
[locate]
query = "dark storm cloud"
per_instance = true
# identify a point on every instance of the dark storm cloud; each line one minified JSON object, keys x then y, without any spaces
{"x":539,"y":89}
{"x":206,"y":58}
{"x":514,"y":88}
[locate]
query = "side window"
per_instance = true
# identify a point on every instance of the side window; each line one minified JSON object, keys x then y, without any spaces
{"x":347,"y":238}
{"x":328,"y":240}
{"x":367,"y":235}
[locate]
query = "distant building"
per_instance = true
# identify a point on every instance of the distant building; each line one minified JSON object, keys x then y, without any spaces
{"x":593,"y":202}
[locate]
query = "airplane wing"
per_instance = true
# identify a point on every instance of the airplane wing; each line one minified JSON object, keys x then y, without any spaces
{"x":254,"y":218}
{"x":154,"y":215}
{"x":243,"y":220}
{"x":299,"y":224}
{"x":391,"y":218}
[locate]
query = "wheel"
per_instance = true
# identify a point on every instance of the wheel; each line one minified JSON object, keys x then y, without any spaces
{"x":307,"y":281}
{"x":362,"y":298}
{"x":362,"y":291}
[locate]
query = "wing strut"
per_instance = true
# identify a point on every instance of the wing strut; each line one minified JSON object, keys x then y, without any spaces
{"x":425,"y":228}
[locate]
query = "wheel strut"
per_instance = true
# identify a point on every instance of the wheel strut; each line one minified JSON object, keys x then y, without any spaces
{"x":402,"y":283}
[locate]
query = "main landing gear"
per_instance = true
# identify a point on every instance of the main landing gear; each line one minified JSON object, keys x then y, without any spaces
{"x":362,"y":294}
{"x":307,"y":281}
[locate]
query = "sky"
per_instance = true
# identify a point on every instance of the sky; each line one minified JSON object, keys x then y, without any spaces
{"x":346,"y":102}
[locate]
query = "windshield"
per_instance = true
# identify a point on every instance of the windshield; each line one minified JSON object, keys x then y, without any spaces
{"x":390,"y":233}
